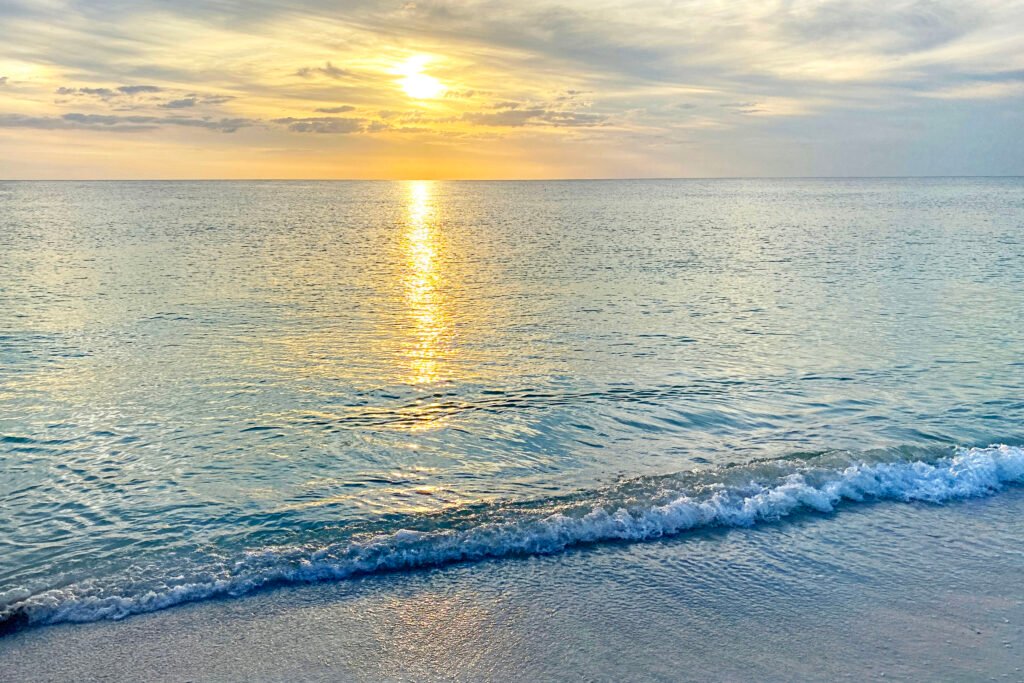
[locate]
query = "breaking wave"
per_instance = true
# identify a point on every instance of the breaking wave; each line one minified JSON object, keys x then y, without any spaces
{"x":636,"y":510}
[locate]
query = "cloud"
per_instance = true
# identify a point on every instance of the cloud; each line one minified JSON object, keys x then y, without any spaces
{"x":223,"y":125}
{"x":118,"y":123}
{"x":980,"y":86}
{"x":981,"y":90}
{"x":460,"y":94}
{"x":3,"y":80}
{"x":123,"y":98}
{"x":507,"y":117}
{"x":1014,"y":75}
{"x":183,"y":103}
{"x":109,"y":93}
{"x":729,"y":79}
{"x":136,"y":89}
{"x":574,"y":118}
{"x":98,"y":92}
{"x":742,"y":107}
{"x":570,"y":95}
{"x":897,"y":27}
{"x":514,"y":117}
{"x":328,"y":70}
{"x":322,"y":124}
{"x":39,"y":122}
{"x":80,"y":122}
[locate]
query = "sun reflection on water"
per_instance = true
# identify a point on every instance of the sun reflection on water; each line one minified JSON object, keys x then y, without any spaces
{"x":423,"y":286}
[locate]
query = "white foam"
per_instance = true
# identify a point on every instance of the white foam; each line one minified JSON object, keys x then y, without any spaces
{"x":969,"y":473}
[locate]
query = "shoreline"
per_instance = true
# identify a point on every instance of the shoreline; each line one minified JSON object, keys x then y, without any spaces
{"x":889,"y":591}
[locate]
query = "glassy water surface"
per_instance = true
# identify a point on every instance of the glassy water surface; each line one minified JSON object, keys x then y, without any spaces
{"x":210,"y":386}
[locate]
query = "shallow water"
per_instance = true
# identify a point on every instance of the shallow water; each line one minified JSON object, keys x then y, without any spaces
{"x":208,"y":387}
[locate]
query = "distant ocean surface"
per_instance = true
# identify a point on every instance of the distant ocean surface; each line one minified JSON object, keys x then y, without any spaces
{"x":211,"y":387}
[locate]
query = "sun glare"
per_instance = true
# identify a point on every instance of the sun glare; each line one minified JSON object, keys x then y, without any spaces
{"x":424,"y":285}
{"x":417,"y":84}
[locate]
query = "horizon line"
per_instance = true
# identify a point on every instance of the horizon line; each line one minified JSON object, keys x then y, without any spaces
{"x":500,"y":180}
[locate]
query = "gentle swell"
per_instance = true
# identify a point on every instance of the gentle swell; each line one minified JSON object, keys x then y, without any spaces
{"x":748,"y":496}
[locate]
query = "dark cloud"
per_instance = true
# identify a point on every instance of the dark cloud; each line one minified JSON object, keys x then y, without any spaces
{"x":322,"y":124}
{"x":341,"y":109}
{"x":98,"y":92}
{"x":3,"y":80}
{"x":123,"y":98}
{"x":507,"y":117}
{"x":119,"y":123}
{"x":109,"y":93}
{"x":40,"y":122}
{"x":570,"y":95}
{"x":136,"y":89}
{"x":224,"y":125}
{"x":79,"y":122}
{"x":106,"y":119}
{"x":328,"y":70}
{"x":183,"y":103}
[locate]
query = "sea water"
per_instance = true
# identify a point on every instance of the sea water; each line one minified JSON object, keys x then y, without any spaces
{"x":207,"y":388}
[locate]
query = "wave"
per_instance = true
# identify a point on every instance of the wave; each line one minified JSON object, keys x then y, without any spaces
{"x":637,"y":510}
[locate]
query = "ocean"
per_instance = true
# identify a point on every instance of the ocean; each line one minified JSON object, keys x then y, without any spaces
{"x":212,"y":389}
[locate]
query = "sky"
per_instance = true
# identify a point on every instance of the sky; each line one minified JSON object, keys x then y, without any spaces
{"x":526,"y":89}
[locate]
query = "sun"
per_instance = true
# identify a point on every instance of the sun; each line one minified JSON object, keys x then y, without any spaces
{"x":422,"y":87}
{"x":417,"y":84}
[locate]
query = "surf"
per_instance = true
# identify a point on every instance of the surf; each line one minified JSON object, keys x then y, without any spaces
{"x":633,"y":510}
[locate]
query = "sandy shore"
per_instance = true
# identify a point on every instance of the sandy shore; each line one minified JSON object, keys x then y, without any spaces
{"x":888,"y":591}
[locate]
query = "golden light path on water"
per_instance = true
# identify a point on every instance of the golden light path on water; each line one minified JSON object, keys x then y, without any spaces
{"x":431,"y":328}
{"x":402,"y":339}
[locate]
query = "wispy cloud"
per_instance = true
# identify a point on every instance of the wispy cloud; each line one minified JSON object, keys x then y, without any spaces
{"x":322,"y":124}
{"x":108,"y":93}
{"x":115,"y":123}
{"x":514,"y":114}
{"x":136,"y":89}
{"x":328,"y":70}
{"x":183,"y":103}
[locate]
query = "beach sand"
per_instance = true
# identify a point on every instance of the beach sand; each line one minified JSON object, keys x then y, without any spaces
{"x":782,"y":602}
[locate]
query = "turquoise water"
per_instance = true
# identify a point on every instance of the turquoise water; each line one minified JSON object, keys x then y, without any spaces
{"x":210,"y":387}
